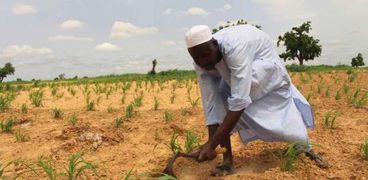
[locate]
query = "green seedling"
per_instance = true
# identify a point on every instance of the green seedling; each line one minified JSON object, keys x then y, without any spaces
{"x":36,"y":98}
{"x":118,"y":122}
{"x":137,"y":102}
{"x":73,"y":119}
{"x":168,"y":116}
{"x":184,"y":111}
{"x":191,"y":142}
{"x":20,"y":136}
{"x":193,"y":103}
{"x":110,"y":109}
{"x":330,"y":119}
{"x":327,"y":93}
{"x":24,"y":108}
{"x":7,"y":126}
{"x":122,"y":100}
{"x":129,"y":111}
{"x":156,"y":104}
{"x":57,"y":113}
{"x":172,"y":98}
{"x":77,"y":166}
{"x":290,"y":157}
{"x":173,"y":144}
{"x":365,"y":149}
{"x":5,"y":101}
{"x":47,"y":167}
{"x":338,"y":94}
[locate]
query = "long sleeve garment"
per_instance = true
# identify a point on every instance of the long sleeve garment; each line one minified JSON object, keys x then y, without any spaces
{"x":252,"y":76}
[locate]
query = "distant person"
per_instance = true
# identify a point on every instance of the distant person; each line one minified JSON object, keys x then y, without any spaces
{"x":245,"y":88}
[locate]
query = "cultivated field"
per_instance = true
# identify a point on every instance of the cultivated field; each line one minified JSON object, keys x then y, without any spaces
{"x":128,"y":129}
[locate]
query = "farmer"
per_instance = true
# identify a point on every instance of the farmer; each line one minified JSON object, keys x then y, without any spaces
{"x":245,"y":88}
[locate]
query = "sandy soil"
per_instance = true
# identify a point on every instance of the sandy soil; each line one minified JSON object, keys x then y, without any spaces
{"x":139,"y":145}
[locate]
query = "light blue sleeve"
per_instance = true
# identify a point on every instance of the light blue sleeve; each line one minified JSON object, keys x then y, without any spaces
{"x":239,"y":61}
{"x":212,"y":101}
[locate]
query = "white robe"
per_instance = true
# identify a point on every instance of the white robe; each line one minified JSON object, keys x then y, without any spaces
{"x":252,"y":76}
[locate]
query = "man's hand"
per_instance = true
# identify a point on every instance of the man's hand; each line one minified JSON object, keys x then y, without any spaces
{"x":206,"y":153}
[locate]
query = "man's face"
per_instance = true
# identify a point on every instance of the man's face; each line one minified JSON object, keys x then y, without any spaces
{"x":205,"y":55}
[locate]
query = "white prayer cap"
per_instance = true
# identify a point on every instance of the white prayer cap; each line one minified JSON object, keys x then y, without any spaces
{"x":197,"y":35}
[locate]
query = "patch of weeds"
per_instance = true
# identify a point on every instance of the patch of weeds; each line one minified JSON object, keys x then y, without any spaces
{"x":137,"y":102}
{"x":358,"y":101}
{"x":7,"y":126}
{"x":57,"y":113}
{"x":330,"y":119}
{"x":168,"y":116}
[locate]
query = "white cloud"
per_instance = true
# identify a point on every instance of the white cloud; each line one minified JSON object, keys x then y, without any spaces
{"x":71,"y":24}
{"x":196,"y":11}
{"x":168,"y":43}
{"x":15,"y":51}
{"x":125,"y":29}
{"x":70,"y":38}
{"x":22,"y":9}
{"x":107,"y":47}
{"x":168,"y":11}
{"x":227,"y":6}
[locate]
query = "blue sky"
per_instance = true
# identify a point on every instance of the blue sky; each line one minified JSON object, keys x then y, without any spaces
{"x":44,"y":38}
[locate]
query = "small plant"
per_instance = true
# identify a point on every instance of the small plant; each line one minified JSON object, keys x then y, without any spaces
{"x":173,"y":144}
{"x":137,"y":102}
{"x":73,"y":119}
{"x":7,"y":125}
{"x":36,"y":98}
{"x":122,"y":100}
{"x":91,"y":106}
{"x":110,"y":109}
{"x":72,"y":91}
{"x":54,"y":91}
{"x":191,"y":142}
{"x":192,"y":102}
{"x":57,"y":113}
{"x":168,"y":116}
{"x":184,"y":111}
{"x":118,"y":122}
{"x":291,"y":155}
{"x":172,"y":98}
{"x":47,"y":167}
{"x":24,"y":108}
{"x":338,"y":95}
{"x":346,"y":88}
{"x":129,"y":111}
{"x":365,"y":149}
{"x":5,"y":101}
{"x":20,"y":136}
{"x":77,"y":166}
{"x":330,"y":119}
{"x":327,"y":93}
{"x":156,"y":104}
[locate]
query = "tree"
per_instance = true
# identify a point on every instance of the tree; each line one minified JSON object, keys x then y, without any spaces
{"x":154,"y":63}
{"x":299,"y":44}
{"x":8,"y":69}
{"x":357,"y":61}
{"x":235,"y":23}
